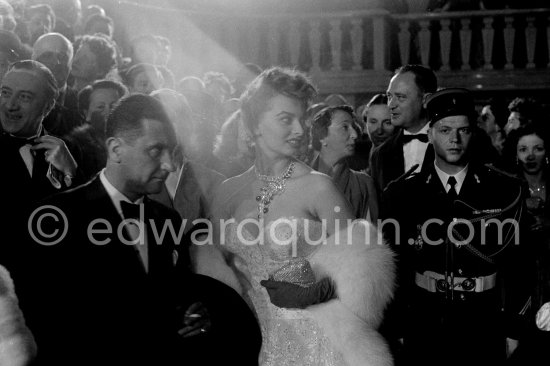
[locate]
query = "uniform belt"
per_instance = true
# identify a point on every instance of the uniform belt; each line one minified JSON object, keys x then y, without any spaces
{"x":436,"y":282}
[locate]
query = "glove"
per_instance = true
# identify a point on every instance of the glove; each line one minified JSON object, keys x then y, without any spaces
{"x":291,"y":296}
{"x":543,"y":317}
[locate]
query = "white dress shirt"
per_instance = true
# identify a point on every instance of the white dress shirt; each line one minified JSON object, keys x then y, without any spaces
{"x":444,"y":177}
{"x":137,"y":233}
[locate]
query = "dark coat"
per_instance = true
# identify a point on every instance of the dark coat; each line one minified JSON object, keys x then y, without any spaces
{"x":64,"y":116}
{"x":433,"y":323}
{"x":95,"y":304}
{"x":387,"y":161}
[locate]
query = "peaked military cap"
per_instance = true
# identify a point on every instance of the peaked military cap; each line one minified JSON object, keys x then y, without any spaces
{"x":450,"y":102}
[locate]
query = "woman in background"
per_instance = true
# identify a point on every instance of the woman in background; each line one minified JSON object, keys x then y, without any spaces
{"x":532,"y":164}
{"x":333,"y":134}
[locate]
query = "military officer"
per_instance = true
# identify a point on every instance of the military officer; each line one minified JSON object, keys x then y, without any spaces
{"x":464,"y":272}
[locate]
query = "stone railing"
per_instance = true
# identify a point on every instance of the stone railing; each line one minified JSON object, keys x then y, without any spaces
{"x":354,"y":52}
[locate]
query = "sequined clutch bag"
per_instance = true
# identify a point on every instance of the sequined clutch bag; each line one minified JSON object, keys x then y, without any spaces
{"x":297,"y":271}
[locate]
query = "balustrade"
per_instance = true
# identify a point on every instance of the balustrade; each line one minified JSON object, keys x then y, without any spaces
{"x":359,"y":49}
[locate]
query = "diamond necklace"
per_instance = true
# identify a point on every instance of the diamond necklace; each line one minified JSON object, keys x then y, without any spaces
{"x":272,"y":186}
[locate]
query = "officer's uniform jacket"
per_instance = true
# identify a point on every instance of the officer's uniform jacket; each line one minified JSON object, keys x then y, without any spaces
{"x":492,"y":278}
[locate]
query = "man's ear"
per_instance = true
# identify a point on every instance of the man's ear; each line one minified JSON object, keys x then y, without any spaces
{"x":430,"y":134}
{"x":425,"y":99}
{"x":115,"y":149}
{"x":48,"y":107}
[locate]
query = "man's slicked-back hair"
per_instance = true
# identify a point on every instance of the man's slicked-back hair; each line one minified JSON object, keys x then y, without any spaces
{"x":424,"y":77}
{"x":47,"y":79}
{"x":126,"y":118}
{"x":270,"y":83}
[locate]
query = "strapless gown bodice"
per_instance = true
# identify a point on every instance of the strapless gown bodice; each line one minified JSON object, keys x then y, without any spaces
{"x":290,"y":337}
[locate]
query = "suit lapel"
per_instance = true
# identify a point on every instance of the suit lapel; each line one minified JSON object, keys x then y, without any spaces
{"x":127,"y":256}
{"x":394,"y":162}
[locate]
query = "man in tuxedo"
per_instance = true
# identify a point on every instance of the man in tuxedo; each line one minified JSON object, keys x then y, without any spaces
{"x":56,"y":52}
{"x":118,"y":283}
{"x":34,"y":163}
{"x":408,"y":146}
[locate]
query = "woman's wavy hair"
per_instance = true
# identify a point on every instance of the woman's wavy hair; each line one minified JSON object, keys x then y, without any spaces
{"x":270,"y":83}
{"x":511,"y":144}
{"x":322,"y":120}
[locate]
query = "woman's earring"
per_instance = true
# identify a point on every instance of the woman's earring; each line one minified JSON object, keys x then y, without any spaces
{"x":547,"y":162}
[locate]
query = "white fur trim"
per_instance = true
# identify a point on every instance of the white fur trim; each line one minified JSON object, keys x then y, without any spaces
{"x":362,"y":268}
{"x":17,"y":346}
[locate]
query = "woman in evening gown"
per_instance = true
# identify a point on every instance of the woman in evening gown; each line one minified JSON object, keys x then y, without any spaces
{"x":284,"y":239}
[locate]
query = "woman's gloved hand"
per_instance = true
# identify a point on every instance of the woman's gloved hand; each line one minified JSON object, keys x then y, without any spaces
{"x":543,"y":317}
{"x":291,"y":296}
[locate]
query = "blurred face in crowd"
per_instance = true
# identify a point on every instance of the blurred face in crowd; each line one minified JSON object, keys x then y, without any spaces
{"x":7,"y":19}
{"x":39,"y":24}
{"x":165,"y":52}
{"x":5,"y":60}
{"x":531,"y":154}
{"x":101,"y":27}
{"x":514,"y":122}
{"x":340,"y":140}
{"x":102,"y":102}
{"x":404,"y":100}
{"x":279,"y":131}
{"x":450,"y":137}
{"x":55,"y":53}
{"x":23,"y":103}
{"x":378,"y":123}
{"x":85,"y":64}
{"x":145,"y":52}
{"x":69,"y":11}
{"x":487,"y":122}
{"x":217,"y":90}
{"x":145,"y":83}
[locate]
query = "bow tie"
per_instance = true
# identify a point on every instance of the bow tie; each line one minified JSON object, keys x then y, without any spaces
{"x":130,"y":210}
{"x":15,"y":142}
{"x":422,"y":137}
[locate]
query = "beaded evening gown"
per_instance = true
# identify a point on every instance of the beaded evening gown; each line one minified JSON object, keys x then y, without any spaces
{"x":290,"y":337}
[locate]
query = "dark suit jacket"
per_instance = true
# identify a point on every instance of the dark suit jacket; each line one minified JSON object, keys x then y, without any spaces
{"x":387,"y":161}
{"x":64,"y":116}
{"x":19,"y":192}
{"x":95,"y":304}
{"x":388,"y":164}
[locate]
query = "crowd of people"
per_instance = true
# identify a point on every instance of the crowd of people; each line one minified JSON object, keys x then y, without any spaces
{"x":156,"y":221}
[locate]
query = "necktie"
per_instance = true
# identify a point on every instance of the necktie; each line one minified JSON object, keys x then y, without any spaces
{"x":452,"y":191}
{"x":422,"y":137}
{"x":129,"y":210}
